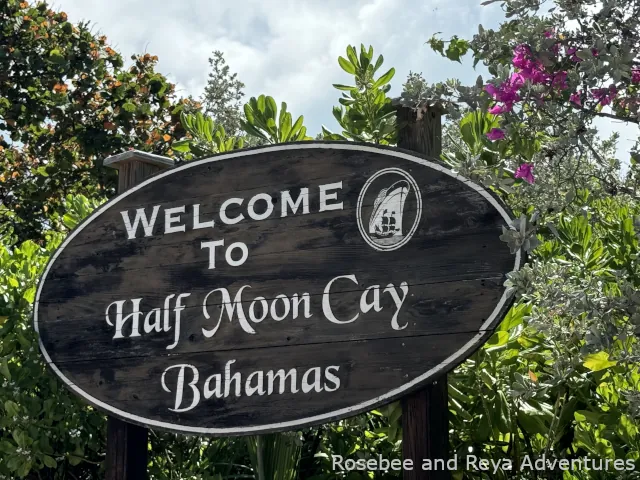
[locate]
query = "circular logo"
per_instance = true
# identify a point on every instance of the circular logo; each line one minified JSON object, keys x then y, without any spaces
{"x":389,"y":209}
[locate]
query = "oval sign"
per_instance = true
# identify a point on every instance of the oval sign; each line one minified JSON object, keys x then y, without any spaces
{"x":273,"y":288}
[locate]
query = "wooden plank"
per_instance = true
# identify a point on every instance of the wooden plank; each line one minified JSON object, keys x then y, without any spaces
{"x":365,"y":369}
{"x":319,"y":231}
{"x":430,"y":310}
{"x":442,"y":197}
{"x":315,"y":267}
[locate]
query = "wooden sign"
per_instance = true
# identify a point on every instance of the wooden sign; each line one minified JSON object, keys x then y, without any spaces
{"x":274,"y":288}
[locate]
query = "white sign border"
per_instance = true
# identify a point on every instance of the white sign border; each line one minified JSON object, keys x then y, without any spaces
{"x":462,"y":353}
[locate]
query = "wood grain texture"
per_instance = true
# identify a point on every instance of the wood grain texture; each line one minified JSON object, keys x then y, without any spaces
{"x":126,"y":452}
{"x":126,"y":449}
{"x":424,"y":298}
{"x":425,"y":422}
{"x":425,"y":430}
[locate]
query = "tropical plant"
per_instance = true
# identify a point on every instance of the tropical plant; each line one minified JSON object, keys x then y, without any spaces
{"x":45,"y":430}
{"x":67,"y":100}
{"x":552,"y":72}
{"x":366,"y":113}
{"x":263,"y":121}
{"x":203,"y":137}
{"x":222,"y":97}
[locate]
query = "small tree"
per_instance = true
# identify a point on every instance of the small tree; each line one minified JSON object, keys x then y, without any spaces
{"x":222,"y":99}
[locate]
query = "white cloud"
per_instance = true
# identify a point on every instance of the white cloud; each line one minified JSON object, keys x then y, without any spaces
{"x":289,"y":48}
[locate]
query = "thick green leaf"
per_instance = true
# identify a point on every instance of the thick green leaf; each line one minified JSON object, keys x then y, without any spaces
{"x":598,"y":361}
{"x":346,"y":65}
{"x":385,"y":78}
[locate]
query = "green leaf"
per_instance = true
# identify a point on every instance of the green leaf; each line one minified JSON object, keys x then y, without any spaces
{"x":456,"y":49}
{"x":261,"y":103}
{"x":271,"y":108}
{"x":497,"y":340}
{"x":285,"y":127}
{"x":129,"y":107}
{"x":4,"y":369}
{"x":56,"y":56}
{"x":248,"y":113}
{"x":515,"y":316}
{"x":598,"y":361}
{"x":384,"y":79}
{"x":30,"y":294}
{"x":49,"y":461}
{"x":11,"y":408}
{"x":352,"y":55}
{"x":587,"y":416}
{"x":19,"y":436}
{"x":182,"y":146}
{"x":436,"y":45}
{"x":295,"y":130}
{"x":346,"y":65}
{"x":378,"y":64}
{"x":251,"y":130}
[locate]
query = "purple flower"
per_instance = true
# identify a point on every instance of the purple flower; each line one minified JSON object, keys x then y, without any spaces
{"x":491,"y":89}
{"x":495,"y":134}
{"x":498,"y":109}
{"x":506,"y":92}
{"x":559,"y":80}
{"x":530,"y":67}
{"x":635,"y":75}
{"x":604,"y":96}
{"x":525,"y":172}
{"x":575,"y":98}
{"x":571,"y":52}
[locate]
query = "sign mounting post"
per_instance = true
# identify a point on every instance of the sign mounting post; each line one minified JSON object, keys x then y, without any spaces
{"x":126,"y":457}
{"x":425,"y":413}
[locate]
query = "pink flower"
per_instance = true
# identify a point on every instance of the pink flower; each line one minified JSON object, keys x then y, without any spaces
{"x":498,"y":109}
{"x":521,"y":55}
{"x":575,"y":98}
{"x":506,"y":92}
{"x":604,"y":96}
{"x":549,"y":33}
{"x":495,"y":134}
{"x":491,"y":89}
{"x":516,"y":80}
{"x":560,"y":80}
{"x":525,"y":172}
{"x":635,"y":75}
{"x":530,"y":68}
{"x":594,"y":52}
{"x":571,"y":51}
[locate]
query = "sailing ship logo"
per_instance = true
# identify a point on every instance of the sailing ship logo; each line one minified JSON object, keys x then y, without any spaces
{"x":393,"y":213}
{"x":386,"y":219}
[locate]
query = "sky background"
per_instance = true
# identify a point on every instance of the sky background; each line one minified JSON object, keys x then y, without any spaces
{"x":289,"y":48}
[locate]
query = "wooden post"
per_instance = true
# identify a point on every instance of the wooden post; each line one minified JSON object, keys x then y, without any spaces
{"x":127,"y":443}
{"x":425,"y":413}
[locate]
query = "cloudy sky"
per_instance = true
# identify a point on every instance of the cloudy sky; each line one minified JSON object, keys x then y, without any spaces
{"x":289,"y":48}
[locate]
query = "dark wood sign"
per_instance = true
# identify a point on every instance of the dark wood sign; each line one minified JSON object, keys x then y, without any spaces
{"x":273,"y":288}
